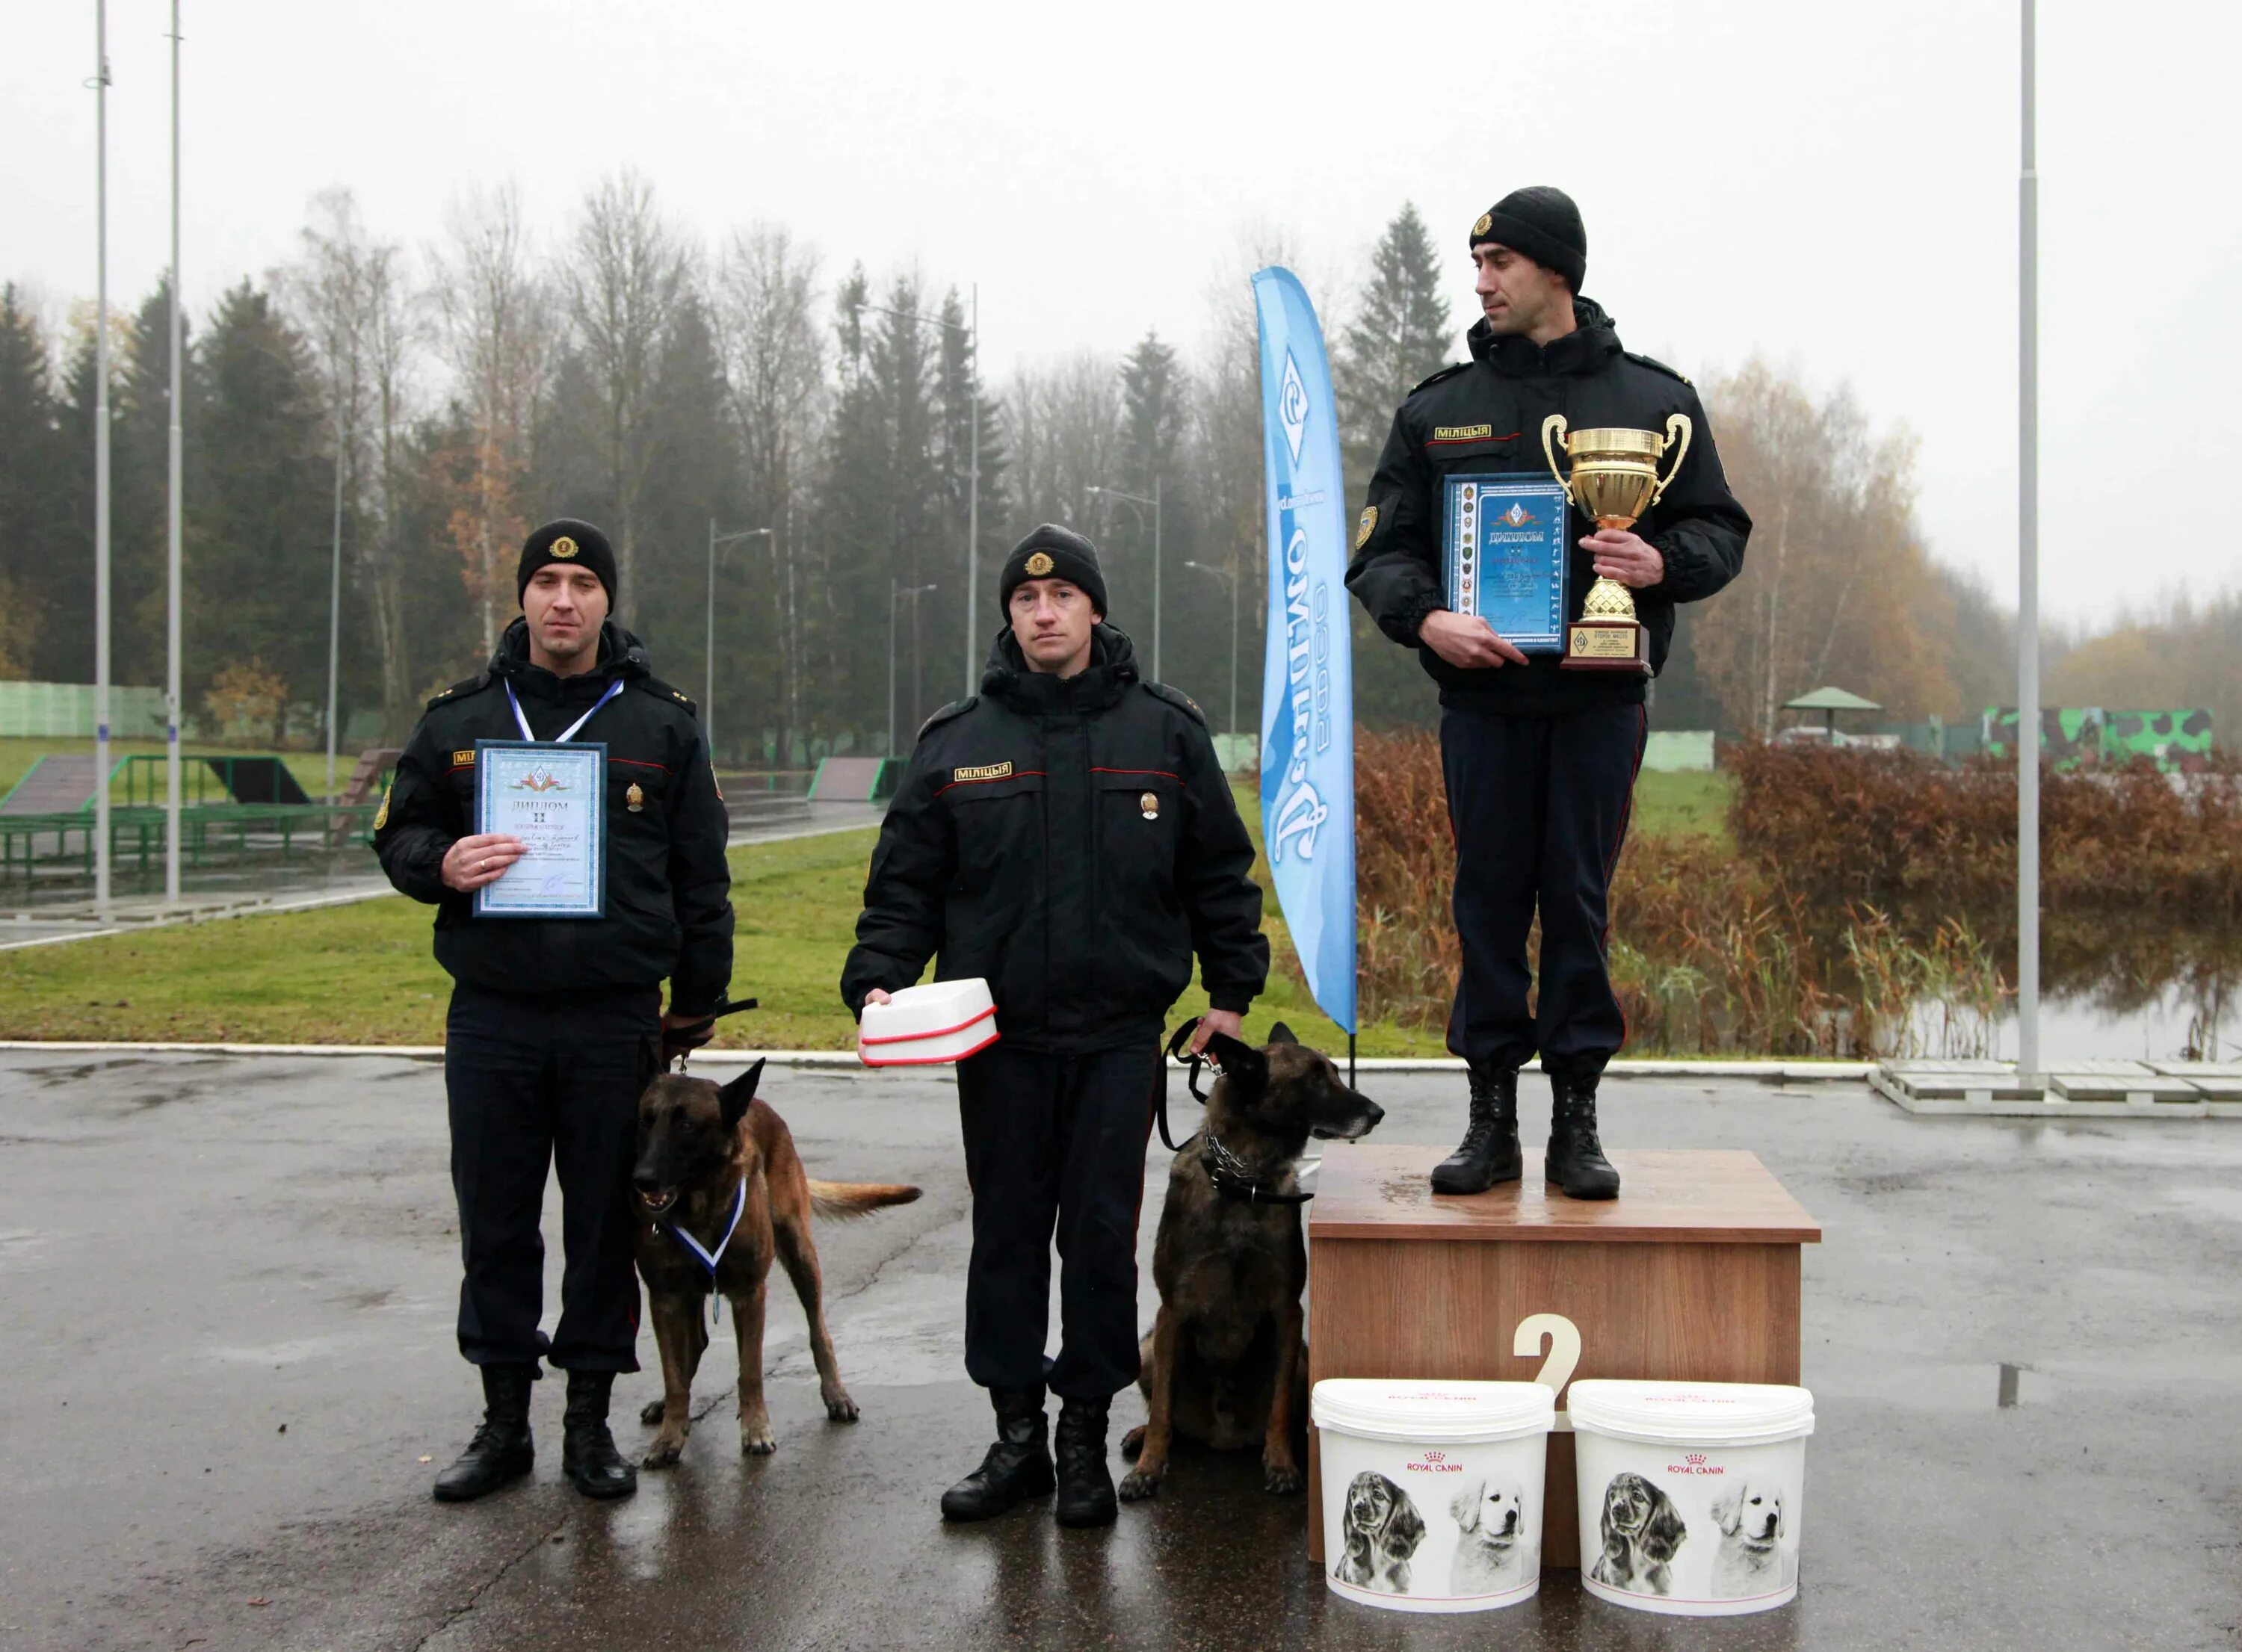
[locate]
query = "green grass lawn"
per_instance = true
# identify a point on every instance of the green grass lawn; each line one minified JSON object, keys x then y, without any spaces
{"x":1683,"y":804}
{"x":363,"y":973}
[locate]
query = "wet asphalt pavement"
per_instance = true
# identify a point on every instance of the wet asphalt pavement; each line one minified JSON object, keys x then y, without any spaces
{"x":229,"y":1285}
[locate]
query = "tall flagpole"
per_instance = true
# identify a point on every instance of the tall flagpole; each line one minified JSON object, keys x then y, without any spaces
{"x":101,"y":462}
{"x":2028,"y":580}
{"x":172,"y":580}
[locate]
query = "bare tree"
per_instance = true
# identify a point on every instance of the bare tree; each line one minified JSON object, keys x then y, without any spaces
{"x":498,"y":325}
{"x":1064,"y":425}
{"x":629,"y":269}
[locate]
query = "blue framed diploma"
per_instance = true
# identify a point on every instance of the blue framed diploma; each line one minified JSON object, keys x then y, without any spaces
{"x":553,"y":798}
{"x":1506,"y":557}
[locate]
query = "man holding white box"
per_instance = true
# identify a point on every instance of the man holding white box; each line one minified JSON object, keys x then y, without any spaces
{"x":1068,"y":835}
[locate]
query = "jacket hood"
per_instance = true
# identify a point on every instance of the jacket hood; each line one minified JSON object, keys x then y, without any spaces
{"x":1591,"y":342}
{"x":621,"y":654}
{"x":1112,"y":667}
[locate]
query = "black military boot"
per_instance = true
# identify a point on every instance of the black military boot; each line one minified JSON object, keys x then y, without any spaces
{"x":501,"y":1450}
{"x":1576,"y":1165}
{"x":588,"y":1456}
{"x":1085,"y":1485}
{"x":1490,"y":1152}
{"x":1018,"y":1467}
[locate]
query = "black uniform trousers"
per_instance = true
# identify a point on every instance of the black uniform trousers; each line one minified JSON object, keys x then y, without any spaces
{"x":1054,"y":1143}
{"x":1539,"y":804}
{"x":533,"y":1080}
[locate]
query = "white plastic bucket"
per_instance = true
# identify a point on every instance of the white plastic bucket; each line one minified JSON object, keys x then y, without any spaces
{"x":925,"y":1026}
{"x":1692,"y":1494}
{"x":1433,"y":1491}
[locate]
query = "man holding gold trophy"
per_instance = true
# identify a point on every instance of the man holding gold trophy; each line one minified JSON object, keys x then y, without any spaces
{"x":1501,"y":539}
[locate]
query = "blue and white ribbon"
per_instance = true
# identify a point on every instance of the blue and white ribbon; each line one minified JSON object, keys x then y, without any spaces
{"x":708,"y":1258}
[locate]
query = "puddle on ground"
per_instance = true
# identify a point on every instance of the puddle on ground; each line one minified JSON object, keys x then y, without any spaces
{"x":2212,"y":1202}
{"x":1998,"y":1387}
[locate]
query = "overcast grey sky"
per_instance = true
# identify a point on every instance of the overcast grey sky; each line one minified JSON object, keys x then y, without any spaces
{"x":1834,"y":187}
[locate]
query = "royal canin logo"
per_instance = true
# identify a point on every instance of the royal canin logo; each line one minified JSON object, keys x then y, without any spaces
{"x":1694,"y":1458}
{"x":1436,"y":1456}
{"x":1434,"y":1462}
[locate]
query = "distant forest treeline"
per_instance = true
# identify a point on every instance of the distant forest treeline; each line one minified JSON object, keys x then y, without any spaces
{"x":618,"y":370}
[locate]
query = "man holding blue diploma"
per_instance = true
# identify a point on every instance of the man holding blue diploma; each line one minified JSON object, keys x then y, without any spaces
{"x":1470,"y":550}
{"x":559,"y":811}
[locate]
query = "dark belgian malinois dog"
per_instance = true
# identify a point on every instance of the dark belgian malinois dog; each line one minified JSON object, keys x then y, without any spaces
{"x":717,"y":1167}
{"x":1226,"y":1364}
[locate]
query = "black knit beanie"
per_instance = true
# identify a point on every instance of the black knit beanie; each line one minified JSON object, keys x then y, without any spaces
{"x":1053,"y":552}
{"x":1543,"y":224}
{"x":566,"y":539}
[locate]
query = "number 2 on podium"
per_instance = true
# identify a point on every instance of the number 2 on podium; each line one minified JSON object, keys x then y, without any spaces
{"x":1564,"y":1355}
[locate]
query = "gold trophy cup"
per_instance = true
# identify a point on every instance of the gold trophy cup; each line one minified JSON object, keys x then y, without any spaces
{"x":1615,"y":480}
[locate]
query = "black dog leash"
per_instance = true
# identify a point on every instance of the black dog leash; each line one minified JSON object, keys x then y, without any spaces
{"x":705,"y":1029}
{"x":1224,"y":1168}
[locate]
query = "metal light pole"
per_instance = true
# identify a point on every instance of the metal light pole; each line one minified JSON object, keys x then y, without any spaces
{"x":101,"y":461}
{"x":709,"y":655}
{"x":335,"y":590}
{"x":895,"y":594}
{"x":1138,"y":499}
{"x":971,"y":333}
{"x":1229,"y":580}
{"x":2028,"y":577}
{"x":172,"y":524}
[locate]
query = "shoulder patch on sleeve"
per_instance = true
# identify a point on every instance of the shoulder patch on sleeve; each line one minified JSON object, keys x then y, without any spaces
{"x":955,"y":709}
{"x":1448,"y":372}
{"x":1655,"y":365}
{"x":1177,"y":697}
{"x":465,"y":686}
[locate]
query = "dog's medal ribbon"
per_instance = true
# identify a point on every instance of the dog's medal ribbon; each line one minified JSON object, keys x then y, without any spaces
{"x":708,"y":1259}
{"x":562,"y":739}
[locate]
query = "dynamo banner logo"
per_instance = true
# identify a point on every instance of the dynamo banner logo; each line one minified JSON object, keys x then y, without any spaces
{"x":1307,"y":683}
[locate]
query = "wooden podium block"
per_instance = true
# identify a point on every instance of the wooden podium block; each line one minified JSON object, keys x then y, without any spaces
{"x":1691,"y":1275}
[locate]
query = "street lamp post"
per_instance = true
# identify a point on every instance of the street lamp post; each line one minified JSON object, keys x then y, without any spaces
{"x":971,"y":332}
{"x":175,"y":473}
{"x":895,"y":594}
{"x":1139,"y":500}
{"x":708,"y":653}
{"x":1229,"y":580}
{"x":101,"y":462}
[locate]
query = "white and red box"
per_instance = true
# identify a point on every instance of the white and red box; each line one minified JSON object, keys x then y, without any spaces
{"x":927,"y":1026}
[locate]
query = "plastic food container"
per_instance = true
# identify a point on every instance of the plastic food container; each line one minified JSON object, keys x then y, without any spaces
{"x":1691,"y":1492}
{"x":1433,"y":1491}
{"x":923,"y":1025}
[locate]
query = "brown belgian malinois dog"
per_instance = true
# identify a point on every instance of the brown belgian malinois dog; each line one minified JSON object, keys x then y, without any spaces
{"x":1226,"y":1364}
{"x":722,"y":1190}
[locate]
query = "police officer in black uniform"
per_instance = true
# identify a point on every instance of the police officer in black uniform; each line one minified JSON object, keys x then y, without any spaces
{"x":1067,"y":834}
{"x":1540,"y":762}
{"x":550,"y":1019}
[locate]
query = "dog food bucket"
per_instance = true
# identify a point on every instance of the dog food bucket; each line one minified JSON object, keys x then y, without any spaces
{"x":926,"y":1026}
{"x":1691,"y":1492}
{"x":1433,"y":1491}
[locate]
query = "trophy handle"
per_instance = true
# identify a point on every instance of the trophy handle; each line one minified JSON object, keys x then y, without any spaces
{"x":1677,"y":428}
{"x":1552,"y":426}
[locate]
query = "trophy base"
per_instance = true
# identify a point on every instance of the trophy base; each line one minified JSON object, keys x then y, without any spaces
{"x":1606,"y":644}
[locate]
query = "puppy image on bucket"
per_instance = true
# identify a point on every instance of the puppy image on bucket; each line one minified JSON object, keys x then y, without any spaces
{"x":1689,"y":1492}
{"x":1433,"y":1491}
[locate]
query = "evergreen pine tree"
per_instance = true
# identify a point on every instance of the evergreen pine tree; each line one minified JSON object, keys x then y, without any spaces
{"x":33,"y":517}
{"x":1401,"y":331}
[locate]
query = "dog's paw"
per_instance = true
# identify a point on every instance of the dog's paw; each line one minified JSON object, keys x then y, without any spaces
{"x":662,"y":1455}
{"x":841,"y":1409}
{"x":1282,"y":1480}
{"x":1136,"y":1486}
{"x":1132,"y":1442}
{"x":757,"y":1442}
{"x":650,"y":1413}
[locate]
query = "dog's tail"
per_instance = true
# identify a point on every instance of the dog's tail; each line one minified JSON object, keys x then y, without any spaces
{"x":857,"y":1198}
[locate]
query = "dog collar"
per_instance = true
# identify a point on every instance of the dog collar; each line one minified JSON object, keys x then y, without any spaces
{"x":708,"y":1259}
{"x":1233,"y":1180}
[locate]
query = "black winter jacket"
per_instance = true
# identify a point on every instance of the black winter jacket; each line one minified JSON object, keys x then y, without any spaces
{"x":1486,"y":415}
{"x":1073,"y":841}
{"x":669,"y":905}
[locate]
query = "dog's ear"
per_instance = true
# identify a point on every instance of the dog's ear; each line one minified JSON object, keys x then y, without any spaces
{"x":1281,"y":1034}
{"x":1405,"y":1528}
{"x":1241,"y":1064}
{"x":1464,"y":1508}
{"x":1664,"y":1532}
{"x":1777,"y":1501}
{"x":1729,"y":1510}
{"x":736,"y":1096}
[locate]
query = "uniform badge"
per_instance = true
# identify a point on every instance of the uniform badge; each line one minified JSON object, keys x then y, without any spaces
{"x":1149,"y":803}
{"x":1039,"y":564}
{"x":1367,"y":526}
{"x":381,"y":814}
{"x":635,"y":799}
{"x":462,"y":760}
{"x":980,"y":772}
{"x":564,"y":547}
{"x":1486,"y":223}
